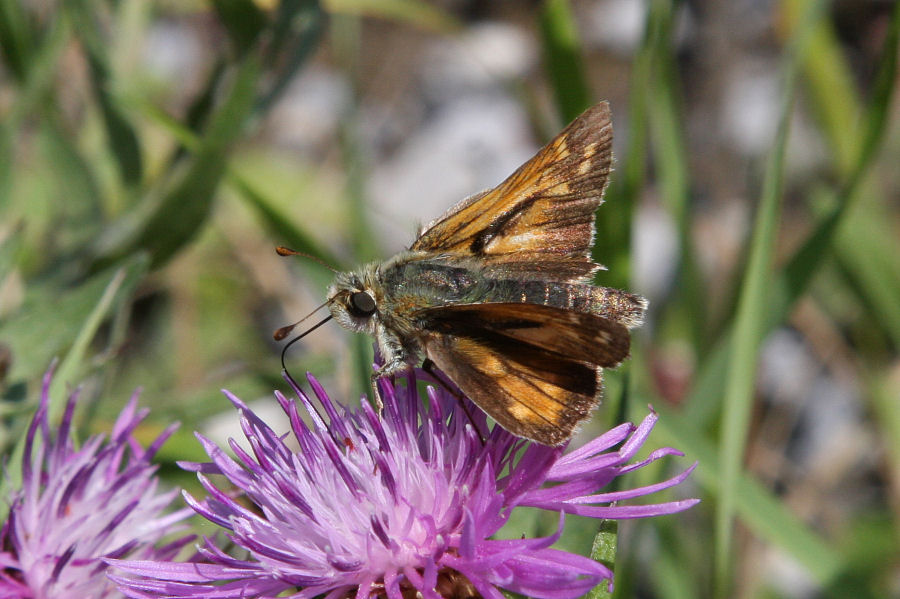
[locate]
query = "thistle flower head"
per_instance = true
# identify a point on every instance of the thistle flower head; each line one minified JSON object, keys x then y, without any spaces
{"x":78,"y":506}
{"x":394,"y":505}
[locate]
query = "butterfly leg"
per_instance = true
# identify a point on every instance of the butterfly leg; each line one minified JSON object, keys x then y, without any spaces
{"x":376,"y":394}
{"x":386,"y":370}
{"x":397,"y":358}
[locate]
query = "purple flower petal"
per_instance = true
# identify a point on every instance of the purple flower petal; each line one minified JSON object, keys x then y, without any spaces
{"x":390,"y":505}
{"x":80,"y":506}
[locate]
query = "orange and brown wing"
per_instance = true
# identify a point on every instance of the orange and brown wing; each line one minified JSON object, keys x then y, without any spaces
{"x":536,"y":370}
{"x":541,"y":218}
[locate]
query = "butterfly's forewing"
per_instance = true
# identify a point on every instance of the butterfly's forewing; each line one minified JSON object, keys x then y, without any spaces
{"x":535,"y":369}
{"x":541,"y":219}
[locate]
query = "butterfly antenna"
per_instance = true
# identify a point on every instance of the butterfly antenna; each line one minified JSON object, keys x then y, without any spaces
{"x":285,"y":331}
{"x":285,"y":251}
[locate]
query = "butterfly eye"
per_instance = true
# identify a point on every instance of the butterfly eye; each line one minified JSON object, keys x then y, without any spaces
{"x":361,"y":304}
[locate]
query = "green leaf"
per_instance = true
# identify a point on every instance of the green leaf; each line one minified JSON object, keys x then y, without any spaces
{"x":123,"y":141}
{"x":165,"y":226}
{"x":604,"y":551}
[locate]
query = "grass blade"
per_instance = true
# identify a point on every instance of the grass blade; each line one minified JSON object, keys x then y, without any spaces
{"x":670,"y":154}
{"x":16,"y":38}
{"x":363,"y":241}
{"x":297,"y":30}
{"x":50,"y":319}
{"x":7,"y":159}
{"x":75,"y":319}
{"x":74,"y":180}
{"x":283,"y":230}
{"x":794,"y":278}
{"x":243,"y":21}
{"x":35,"y":93}
{"x":562,"y":54}
{"x":415,"y":12}
{"x":875,"y":277}
{"x":614,"y":221}
{"x":828,"y":76}
{"x":866,"y":254}
{"x":120,"y":287}
{"x":766,"y":515}
{"x":749,"y":329}
{"x":280,"y":226}
{"x":886,"y":410}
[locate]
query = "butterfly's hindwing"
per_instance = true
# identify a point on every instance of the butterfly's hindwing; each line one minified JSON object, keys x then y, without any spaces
{"x":534,"y":369}
{"x":528,"y":393}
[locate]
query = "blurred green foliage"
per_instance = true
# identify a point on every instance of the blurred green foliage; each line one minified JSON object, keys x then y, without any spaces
{"x":136,"y":227}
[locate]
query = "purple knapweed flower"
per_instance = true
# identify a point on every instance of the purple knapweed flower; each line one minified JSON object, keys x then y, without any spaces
{"x":395,"y":505}
{"x":77,"y":507}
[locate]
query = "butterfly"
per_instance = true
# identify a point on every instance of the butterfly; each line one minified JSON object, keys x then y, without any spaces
{"x":497,"y":292}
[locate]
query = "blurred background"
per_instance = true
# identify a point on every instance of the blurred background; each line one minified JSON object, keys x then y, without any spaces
{"x":153,"y":154}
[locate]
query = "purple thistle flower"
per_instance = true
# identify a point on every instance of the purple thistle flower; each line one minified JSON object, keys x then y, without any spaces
{"x":79,"y":506}
{"x":395,"y":504}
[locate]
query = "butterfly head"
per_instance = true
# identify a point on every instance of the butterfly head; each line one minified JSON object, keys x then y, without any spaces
{"x":352,"y":303}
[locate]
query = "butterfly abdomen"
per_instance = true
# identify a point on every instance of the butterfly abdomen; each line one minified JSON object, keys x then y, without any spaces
{"x":618,"y":306}
{"x":560,"y":295}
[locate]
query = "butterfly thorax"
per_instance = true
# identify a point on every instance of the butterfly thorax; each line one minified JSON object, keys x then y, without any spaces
{"x":382,"y":299}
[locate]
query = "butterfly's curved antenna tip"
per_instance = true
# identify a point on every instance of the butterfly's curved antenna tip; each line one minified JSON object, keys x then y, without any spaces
{"x":286,"y":251}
